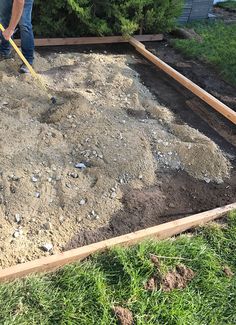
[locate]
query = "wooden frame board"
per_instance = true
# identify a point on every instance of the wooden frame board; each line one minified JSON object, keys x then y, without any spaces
{"x":195,"y":89}
{"x":160,"y":232}
{"x":91,"y":40}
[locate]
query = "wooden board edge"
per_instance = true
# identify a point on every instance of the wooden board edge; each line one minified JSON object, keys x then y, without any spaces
{"x":162,"y":231}
{"x":39,"y":42}
{"x":194,"y":88}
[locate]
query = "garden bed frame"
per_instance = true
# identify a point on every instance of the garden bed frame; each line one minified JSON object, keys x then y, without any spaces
{"x":162,"y":231}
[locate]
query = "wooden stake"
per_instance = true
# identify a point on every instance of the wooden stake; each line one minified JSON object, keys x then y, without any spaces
{"x":160,"y":232}
{"x":91,"y":40}
{"x":198,"y":91}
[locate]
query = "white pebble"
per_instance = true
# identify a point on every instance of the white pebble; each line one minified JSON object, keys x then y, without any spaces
{"x":82,"y":202}
{"x":34,"y":179}
{"x":17,"y":217}
{"x":80,"y":166}
{"x":47,"y":247}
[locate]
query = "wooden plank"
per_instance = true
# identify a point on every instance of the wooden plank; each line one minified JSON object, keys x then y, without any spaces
{"x":222,"y":128}
{"x":160,"y":232}
{"x":195,"y":89}
{"x":91,"y":40}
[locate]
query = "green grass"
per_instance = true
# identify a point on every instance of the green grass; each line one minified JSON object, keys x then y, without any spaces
{"x":231,"y":4}
{"x":218,"y":47}
{"x":85,"y":293}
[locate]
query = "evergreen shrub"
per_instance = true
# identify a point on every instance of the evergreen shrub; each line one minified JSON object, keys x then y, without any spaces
{"x":60,"y":18}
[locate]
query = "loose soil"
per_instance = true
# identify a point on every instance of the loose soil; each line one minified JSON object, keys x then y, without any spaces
{"x":124,"y":315}
{"x":144,"y":164}
{"x":178,"y":278}
{"x":177,"y":195}
{"x":228,"y":272}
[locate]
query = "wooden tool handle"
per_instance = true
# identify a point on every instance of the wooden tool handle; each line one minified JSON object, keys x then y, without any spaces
{"x":21,"y":56}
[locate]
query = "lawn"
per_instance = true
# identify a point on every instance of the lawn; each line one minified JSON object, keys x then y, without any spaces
{"x":85,"y":293}
{"x":218,"y":47}
{"x":231,"y":4}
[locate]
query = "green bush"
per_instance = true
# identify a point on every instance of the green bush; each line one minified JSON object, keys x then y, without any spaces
{"x":61,"y":18}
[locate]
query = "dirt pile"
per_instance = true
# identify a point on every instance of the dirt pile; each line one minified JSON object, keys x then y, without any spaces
{"x":108,"y":122}
{"x":178,"y":278}
{"x":124,"y":315}
{"x":228,"y":272}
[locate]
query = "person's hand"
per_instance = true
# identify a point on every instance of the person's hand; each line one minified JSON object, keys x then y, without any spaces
{"x":7,"y":34}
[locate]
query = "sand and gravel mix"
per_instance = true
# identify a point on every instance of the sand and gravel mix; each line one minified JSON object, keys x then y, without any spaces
{"x":63,"y":168}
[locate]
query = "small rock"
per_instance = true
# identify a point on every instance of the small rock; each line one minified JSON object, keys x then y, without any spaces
{"x":113,"y":195}
{"x":78,"y":219}
{"x":172,"y":205}
{"x":20,"y":260}
{"x":17,"y":233}
{"x":15,"y":178}
{"x":34,"y":179}
{"x":12,"y":189}
{"x":82,"y":202}
{"x":61,"y":219}
{"x":17,"y":217}
{"x":94,"y":215}
{"x":47,"y":226}
{"x":73,"y":175}
{"x":47,"y":247}
{"x":207,"y":180}
{"x":80,"y":166}
{"x":37,"y":195}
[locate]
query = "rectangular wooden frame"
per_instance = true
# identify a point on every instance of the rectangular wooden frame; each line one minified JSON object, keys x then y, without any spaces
{"x":161,"y":231}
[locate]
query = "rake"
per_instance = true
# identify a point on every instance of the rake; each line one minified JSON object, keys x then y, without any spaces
{"x":32,"y":71}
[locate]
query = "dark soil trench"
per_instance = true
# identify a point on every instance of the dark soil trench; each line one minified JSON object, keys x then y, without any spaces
{"x":183,"y":195}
